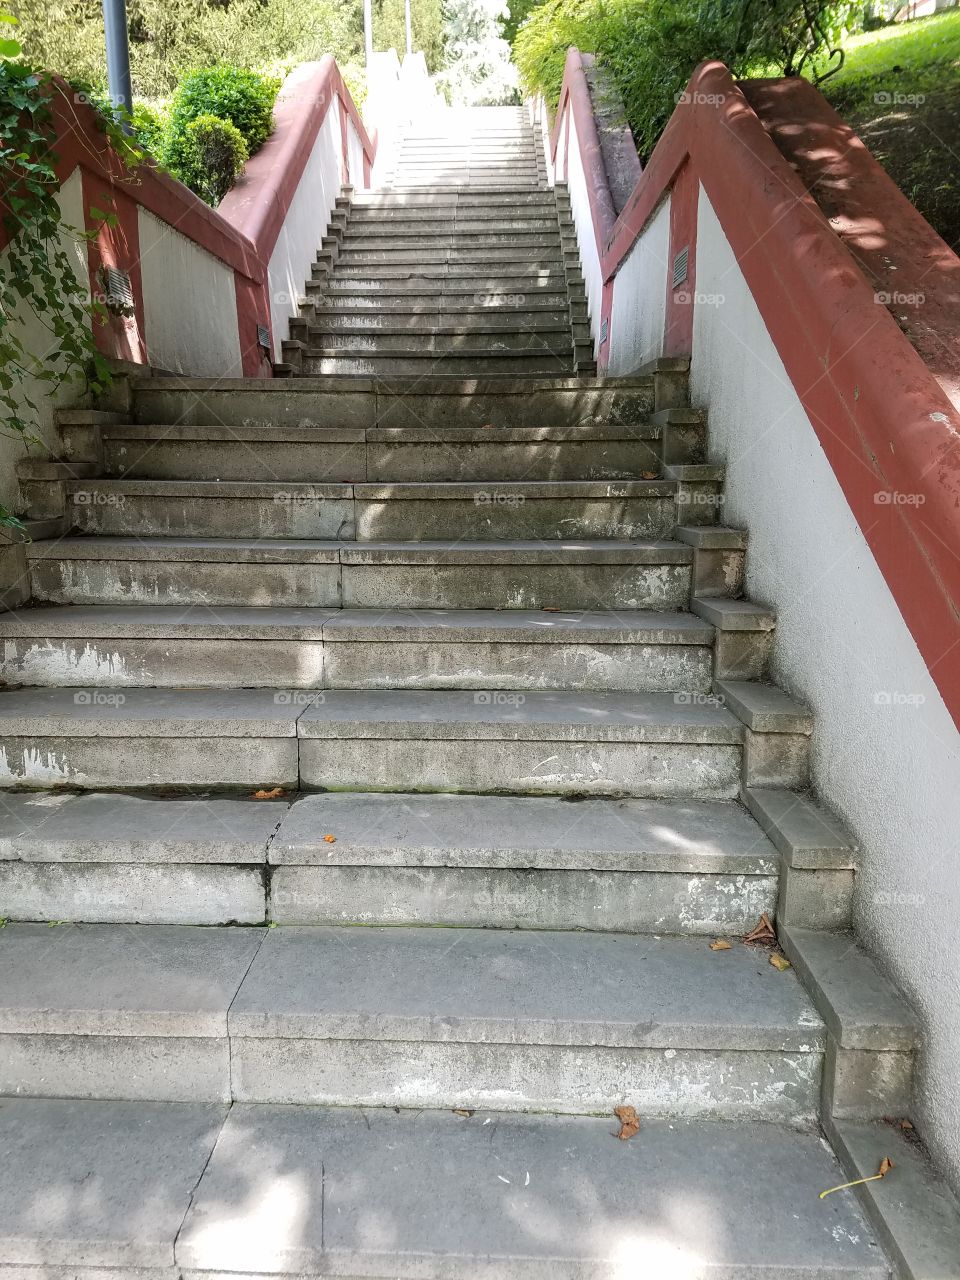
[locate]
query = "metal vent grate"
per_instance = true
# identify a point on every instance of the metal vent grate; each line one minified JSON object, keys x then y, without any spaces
{"x":117,"y":291}
{"x":680,"y":267}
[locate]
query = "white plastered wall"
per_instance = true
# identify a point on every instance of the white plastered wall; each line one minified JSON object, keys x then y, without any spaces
{"x":36,"y":338}
{"x":886,"y":752}
{"x":586,"y":236}
{"x":190,"y":304}
{"x":640,"y":298}
{"x":304,"y":226}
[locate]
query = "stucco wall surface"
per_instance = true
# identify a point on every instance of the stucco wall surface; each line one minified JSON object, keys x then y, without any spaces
{"x":886,"y":752}
{"x":639,"y":298}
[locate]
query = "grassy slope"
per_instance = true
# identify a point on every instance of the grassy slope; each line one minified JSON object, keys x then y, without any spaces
{"x":900,"y":89}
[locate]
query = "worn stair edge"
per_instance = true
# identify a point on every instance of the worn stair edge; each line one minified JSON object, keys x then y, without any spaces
{"x":764,"y":708}
{"x":914,"y":1212}
{"x":862,"y":1008}
{"x":808,"y":837}
{"x":730,"y":615}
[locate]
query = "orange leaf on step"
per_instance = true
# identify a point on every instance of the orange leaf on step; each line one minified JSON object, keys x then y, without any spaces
{"x":721,"y":944}
{"x":274,"y":794}
{"x":780,"y":961}
{"x":763,"y":932}
{"x":886,"y":1164}
{"x":629,"y":1122}
{"x":330,"y":839}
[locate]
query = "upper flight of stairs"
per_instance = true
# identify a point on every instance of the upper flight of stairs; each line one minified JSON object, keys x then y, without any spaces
{"x":384,"y":755}
{"x":465,"y":265}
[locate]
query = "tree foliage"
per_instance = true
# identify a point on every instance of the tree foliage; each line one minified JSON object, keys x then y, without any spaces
{"x":653,"y":46}
{"x":478,"y":70}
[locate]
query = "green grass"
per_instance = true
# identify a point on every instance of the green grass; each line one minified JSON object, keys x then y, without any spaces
{"x":899,"y":88}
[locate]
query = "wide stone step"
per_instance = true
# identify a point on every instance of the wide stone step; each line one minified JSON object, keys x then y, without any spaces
{"x":486,"y":202}
{"x":289,"y":453}
{"x":345,"y":361}
{"x":532,"y":742}
{"x":428,"y":320}
{"x":437,"y":340}
{"x":690,"y":867}
{"x":288,"y":573}
{"x":457,"y":240}
{"x":429,"y":400}
{"x":749,"y":1190}
{"x":375,"y":512}
{"x":450,"y":278}
{"x":540,"y":1020}
{"x":407,"y":222}
{"x":199,"y":647}
{"x":536,"y":256}
{"x":517,"y":862}
{"x":398,"y":307}
{"x":655,"y":744}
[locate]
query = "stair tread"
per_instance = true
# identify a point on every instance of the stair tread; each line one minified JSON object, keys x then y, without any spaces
{"x":496,"y":1176}
{"x":581,"y":551}
{"x":530,"y":626}
{"x":531,"y":716}
{"x":377,"y":829}
{"x":162,"y":713}
{"x":397,"y":489}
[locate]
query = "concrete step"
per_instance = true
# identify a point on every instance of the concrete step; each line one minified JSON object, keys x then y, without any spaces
{"x":428,"y":321}
{"x":511,"y":510}
{"x":536,"y":257}
{"x":536,"y":1020}
{"x":133,"y":859}
{"x":399,"y":307}
{"x":750,"y":1192}
{"x":319,"y":362}
{"x":405,"y":221}
{"x":534,"y":742}
{"x":380,"y":454}
{"x":406,"y":1017}
{"x":449,"y":278}
{"x":95,"y":738}
{"x":514,"y":862}
{"x":485,"y":202}
{"x":278,"y":573}
{"x":481,"y":861}
{"x":200,"y":647}
{"x":458,"y":239}
{"x":442,"y":341}
{"x":427,"y":401}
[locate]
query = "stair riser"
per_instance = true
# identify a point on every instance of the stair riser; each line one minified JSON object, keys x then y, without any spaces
{"x":116,"y":663}
{"x":427,"y":340}
{"x":405,"y":200}
{"x":448,"y":461}
{"x":521,"y":1078}
{"x":647,"y":902}
{"x":536,"y":256}
{"x":438,"y":364}
{"x":482,"y":307}
{"x":90,"y":763}
{"x":135,"y":893}
{"x":667,"y":770}
{"x":434,"y":322}
{"x":596,"y":586}
{"x":452,"y":222}
{"x":426,"y":407}
{"x":470,"y":278}
{"x":491,"y":515}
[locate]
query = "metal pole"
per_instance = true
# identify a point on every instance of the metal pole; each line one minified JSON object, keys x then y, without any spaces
{"x":118,"y":59}
{"x":367,"y":31}
{"x":406,"y":14}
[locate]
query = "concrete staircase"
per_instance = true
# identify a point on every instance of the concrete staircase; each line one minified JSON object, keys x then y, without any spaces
{"x":468,"y":664}
{"x":465,"y":265}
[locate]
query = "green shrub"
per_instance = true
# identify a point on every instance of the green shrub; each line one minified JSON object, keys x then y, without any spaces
{"x":211,"y":157}
{"x":231,"y":93}
{"x":653,"y":46}
{"x":149,"y":129}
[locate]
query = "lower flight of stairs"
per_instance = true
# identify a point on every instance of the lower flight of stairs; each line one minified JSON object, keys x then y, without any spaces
{"x":392,"y":778}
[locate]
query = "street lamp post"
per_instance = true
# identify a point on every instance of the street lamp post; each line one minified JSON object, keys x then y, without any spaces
{"x":118,"y":60}
{"x":409,"y":27}
{"x":367,"y":31}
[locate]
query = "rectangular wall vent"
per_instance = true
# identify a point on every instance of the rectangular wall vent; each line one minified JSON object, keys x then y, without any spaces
{"x":117,"y":291}
{"x":680,"y":267}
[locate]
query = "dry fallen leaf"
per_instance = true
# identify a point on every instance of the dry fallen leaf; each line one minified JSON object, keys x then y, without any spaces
{"x":649,"y":475}
{"x":886,"y":1164}
{"x":550,"y":608}
{"x":330,"y":839}
{"x":780,"y":961}
{"x":462,"y":1111}
{"x":762,"y":932}
{"x":274,"y":794}
{"x":629,"y":1122}
{"x":721,"y":944}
